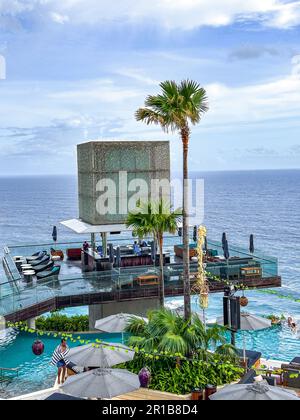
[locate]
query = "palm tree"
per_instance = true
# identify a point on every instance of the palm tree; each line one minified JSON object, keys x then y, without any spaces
{"x":176,"y":108}
{"x":155,"y":219}
{"x":169,"y":332}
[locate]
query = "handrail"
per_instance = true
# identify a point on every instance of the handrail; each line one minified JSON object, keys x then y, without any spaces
{"x":234,"y":248}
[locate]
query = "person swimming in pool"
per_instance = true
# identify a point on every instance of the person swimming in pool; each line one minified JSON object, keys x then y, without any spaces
{"x":292,"y":324}
{"x":59,"y":360}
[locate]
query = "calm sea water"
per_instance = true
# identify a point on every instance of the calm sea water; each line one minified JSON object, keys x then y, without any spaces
{"x":264,"y":203}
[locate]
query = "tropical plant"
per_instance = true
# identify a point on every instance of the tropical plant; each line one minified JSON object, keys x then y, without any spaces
{"x":169,"y":376}
{"x":62,"y":323}
{"x":166,"y":332}
{"x":156,"y":219}
{"x":176,"y":108}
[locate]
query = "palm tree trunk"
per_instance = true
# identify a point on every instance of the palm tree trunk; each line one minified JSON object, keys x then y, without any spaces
{"x":162,"y":278}
{"x":185,"y":229}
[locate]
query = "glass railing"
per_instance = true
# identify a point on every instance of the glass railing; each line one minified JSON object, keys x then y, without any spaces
{"x":15,"y":295}
{"x":116,"y":282}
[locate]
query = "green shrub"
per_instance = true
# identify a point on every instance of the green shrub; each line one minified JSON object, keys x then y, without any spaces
{"x":62,"y":323}
{"x":168,"y":376}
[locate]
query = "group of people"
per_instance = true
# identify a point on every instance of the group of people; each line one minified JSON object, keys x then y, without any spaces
{"x":137,"y":246}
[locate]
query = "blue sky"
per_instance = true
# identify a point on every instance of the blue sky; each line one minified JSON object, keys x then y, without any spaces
{"x":78,"y":70}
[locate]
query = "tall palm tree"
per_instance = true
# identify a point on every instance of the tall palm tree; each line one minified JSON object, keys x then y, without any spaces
{"x":176,"y":108}
{"x":155,"y":219}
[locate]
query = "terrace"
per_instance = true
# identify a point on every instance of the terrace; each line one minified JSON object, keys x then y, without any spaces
{"x":81,"y":285}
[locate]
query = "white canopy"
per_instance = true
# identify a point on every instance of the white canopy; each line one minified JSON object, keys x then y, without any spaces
{"x":81,"y":228}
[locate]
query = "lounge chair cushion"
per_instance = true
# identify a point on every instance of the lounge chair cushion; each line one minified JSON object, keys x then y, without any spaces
{"x":49,"y":273}
{"x":43,"y":267}
{"x":45,"y":259}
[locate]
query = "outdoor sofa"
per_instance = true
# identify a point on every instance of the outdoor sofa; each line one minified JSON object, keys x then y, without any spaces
{"x":291,"y":373}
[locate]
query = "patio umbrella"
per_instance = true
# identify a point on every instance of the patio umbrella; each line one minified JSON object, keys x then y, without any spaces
{"x":103,"y":355}
{"x":57,"y":396}
{"x":251,"y":244}
{"x":116,"y":323}
{"x":101,"y":383}
{"x":259,"y":391}
{"x":224,"y":239}
{"x":111,"y":253}
{"x":250,"y":322}
{"x":205,"y":244}
{"x":179,"y":309}
{"x":226,"y":255}
{"x":118,"y":257}
{"x":54,"y":233}
{"x":226,"y":250}
{"x":153,"y":250}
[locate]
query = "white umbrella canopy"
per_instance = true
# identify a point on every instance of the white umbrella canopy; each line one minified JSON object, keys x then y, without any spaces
{"x":100,"y":355}
{"x":116,"y":323}
{"x":179,"y":310}
{"x":259,"y":391}
{"x":101,"y":383}
{"x":250,"y":322}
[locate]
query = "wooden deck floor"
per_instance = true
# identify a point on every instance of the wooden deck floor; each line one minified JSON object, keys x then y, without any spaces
{"x":147,"y":394}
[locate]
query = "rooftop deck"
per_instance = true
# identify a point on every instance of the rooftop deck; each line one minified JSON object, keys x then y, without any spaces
{"x":20,"y":301}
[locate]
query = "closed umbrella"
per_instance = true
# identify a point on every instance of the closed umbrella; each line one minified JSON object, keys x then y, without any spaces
{"x":205,"y":244}
{"x":226,"y":256}
{"x":153,"y":250}
{"x":226,"y":250}
{"x":101,"y":383}
{"x":116,"y":323}
{"x":259,"y":391}
{"x":111,"y":254}
{"x":118,"y":257}
{"x":251,"y":244}
{"x":250,"y":322}
{"x":54,"y":234}
{"x":224,"y":239}
{"x":103,"y":355}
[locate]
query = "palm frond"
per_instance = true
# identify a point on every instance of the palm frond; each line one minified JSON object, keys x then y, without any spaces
{"x":175,"y":106}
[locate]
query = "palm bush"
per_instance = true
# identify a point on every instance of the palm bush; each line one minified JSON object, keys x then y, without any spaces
{"x":168,"y":333}
{"x":155,"y":219}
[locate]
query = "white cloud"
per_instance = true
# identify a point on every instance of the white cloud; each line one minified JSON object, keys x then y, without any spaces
{"x":15,"y":7}
{"x":172,"y":14}
{"x":272,"y":100}
{"x":95,"y":91}
{"x":58,"y":18}
{"x":183,"y":14}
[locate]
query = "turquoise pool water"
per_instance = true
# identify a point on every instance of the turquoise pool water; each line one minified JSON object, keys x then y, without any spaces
{"x":36,"y":373}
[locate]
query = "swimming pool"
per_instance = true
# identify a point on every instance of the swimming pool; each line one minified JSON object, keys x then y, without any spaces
{"x":36,"y":373}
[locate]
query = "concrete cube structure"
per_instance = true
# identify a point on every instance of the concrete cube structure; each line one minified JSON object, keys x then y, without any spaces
{"x":129,"y":161}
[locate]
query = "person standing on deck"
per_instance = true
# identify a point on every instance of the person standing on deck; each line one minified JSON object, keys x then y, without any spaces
{"x":59,"y":360}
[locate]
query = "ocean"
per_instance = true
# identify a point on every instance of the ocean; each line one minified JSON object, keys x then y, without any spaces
{"x":263,"y":203}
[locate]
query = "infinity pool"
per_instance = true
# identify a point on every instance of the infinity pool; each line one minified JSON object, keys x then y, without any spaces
{"x":36,"y":373}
